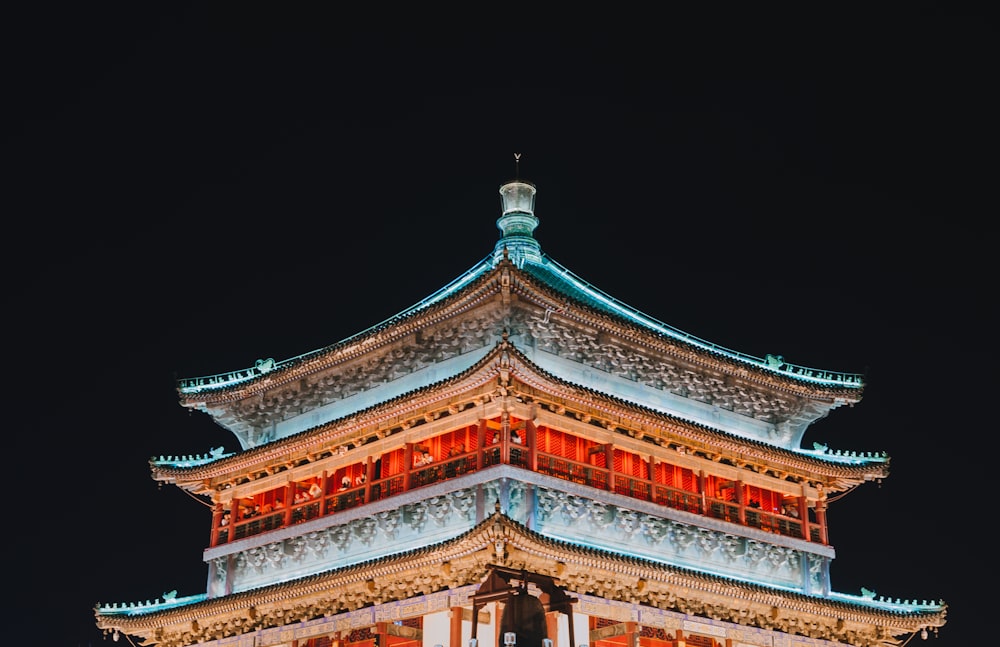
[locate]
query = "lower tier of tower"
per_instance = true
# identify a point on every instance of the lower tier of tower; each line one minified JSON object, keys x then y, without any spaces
{"x":548,"y":505}
{"x":445,"y":618}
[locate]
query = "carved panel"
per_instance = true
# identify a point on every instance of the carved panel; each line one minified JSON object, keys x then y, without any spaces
{"x":412,"y":525}
{"x":610,"y":527}
{"x":406,"y":356}
{"x":599,"y":352}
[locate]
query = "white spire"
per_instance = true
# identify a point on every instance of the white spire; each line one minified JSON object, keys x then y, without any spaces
{"x":517,"y":222}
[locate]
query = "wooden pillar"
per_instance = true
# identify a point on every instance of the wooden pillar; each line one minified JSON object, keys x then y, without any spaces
{"x":505,"y":442}
{"x":497,"y":617}
{"x":369,"y":476}
{"x":552,"y":628}
{"x":407,"y":465}
{"x":609,"y":463}
{"x":702,"y":485}
{"x":632,"y":634}
{"x":381,"y":634}
{"x":455,"y":635}
{"x":475,"y":621}
{"x":324,"y":479}
{"x":531,"y":442}
{"x":741,"y":501}
{"x":289,"y":500}
{"x":652,"y":478}
{"x":803,"y":507}
{"x":216,"y":524}
{"x":821,"y":521}
{"x":481,"y":444}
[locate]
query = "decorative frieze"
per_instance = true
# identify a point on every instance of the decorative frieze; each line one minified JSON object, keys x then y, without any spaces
{"x":600,"y":352}
{"x":389,"y":531}
{"x":477,"y":329}
{"x":606,"y":526}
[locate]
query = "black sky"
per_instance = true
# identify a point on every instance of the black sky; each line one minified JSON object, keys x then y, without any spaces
{"x":199,"y":187}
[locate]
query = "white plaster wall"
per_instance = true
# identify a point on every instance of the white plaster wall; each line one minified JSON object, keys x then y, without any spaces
{"x":437,"y":629}
{"x":581,"y":630}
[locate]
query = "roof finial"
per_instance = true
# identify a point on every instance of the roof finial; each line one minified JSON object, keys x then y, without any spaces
{"x":517,"y":161}
{"x":517,"y":223}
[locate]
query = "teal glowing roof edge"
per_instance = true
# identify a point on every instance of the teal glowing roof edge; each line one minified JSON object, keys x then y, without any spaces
{"x":191,"y":460}
{"x":865,"y":599}
{"x":149,"y":606}
{"x":771,"y":363}
{"x":225,"y":380}
{"x":586,"y":293}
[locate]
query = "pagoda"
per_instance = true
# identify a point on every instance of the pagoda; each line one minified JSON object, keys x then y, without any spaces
{"x":520,"y":459}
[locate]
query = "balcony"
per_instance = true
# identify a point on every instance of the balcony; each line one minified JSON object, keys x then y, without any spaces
{"x":254,"y":518}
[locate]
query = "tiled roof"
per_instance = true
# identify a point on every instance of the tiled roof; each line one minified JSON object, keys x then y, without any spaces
{"x":901,"y":616}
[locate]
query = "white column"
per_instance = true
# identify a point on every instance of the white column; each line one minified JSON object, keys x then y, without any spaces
{"x":581,"y":629}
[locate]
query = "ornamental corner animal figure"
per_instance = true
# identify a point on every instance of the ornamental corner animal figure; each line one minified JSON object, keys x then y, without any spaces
{"x":264,"y":365}
{"x":775,"y":361}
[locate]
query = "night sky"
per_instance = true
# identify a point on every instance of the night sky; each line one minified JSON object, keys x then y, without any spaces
{"x":193,"y":189}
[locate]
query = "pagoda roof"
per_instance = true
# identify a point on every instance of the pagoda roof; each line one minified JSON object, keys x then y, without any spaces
{"x":574,"y":330}
{"x":527,"y":387}
{"x":451,"y":566}
{"x":518,"y":245}
{"x":567,"y":288}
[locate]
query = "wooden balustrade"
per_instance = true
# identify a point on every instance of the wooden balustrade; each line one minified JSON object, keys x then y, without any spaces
{"x":226,"y":529}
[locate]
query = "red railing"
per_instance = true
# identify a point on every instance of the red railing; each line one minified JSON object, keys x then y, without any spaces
{"x":553,"y":465}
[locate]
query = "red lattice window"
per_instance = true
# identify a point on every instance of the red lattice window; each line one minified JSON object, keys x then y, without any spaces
{"x":392,"y":462}
{"x":631,"y":464}
{"x":564,"y":445}
{"x":768,"y":500}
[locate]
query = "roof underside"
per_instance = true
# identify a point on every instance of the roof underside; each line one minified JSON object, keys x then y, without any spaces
{"x":499,"y":540}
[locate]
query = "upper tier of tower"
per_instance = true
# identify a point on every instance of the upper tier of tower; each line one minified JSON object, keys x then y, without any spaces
{"x":562,"y":323}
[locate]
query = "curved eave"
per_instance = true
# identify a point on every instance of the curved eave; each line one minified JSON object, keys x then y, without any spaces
{"x":563,"y":288}
{"x":501,"y":540}
{"x":854,"y":468}
{"x":336,"y":431}
{"x":235,"y":385}
{"x":564,"y":285}
{"x":840,"y":473}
